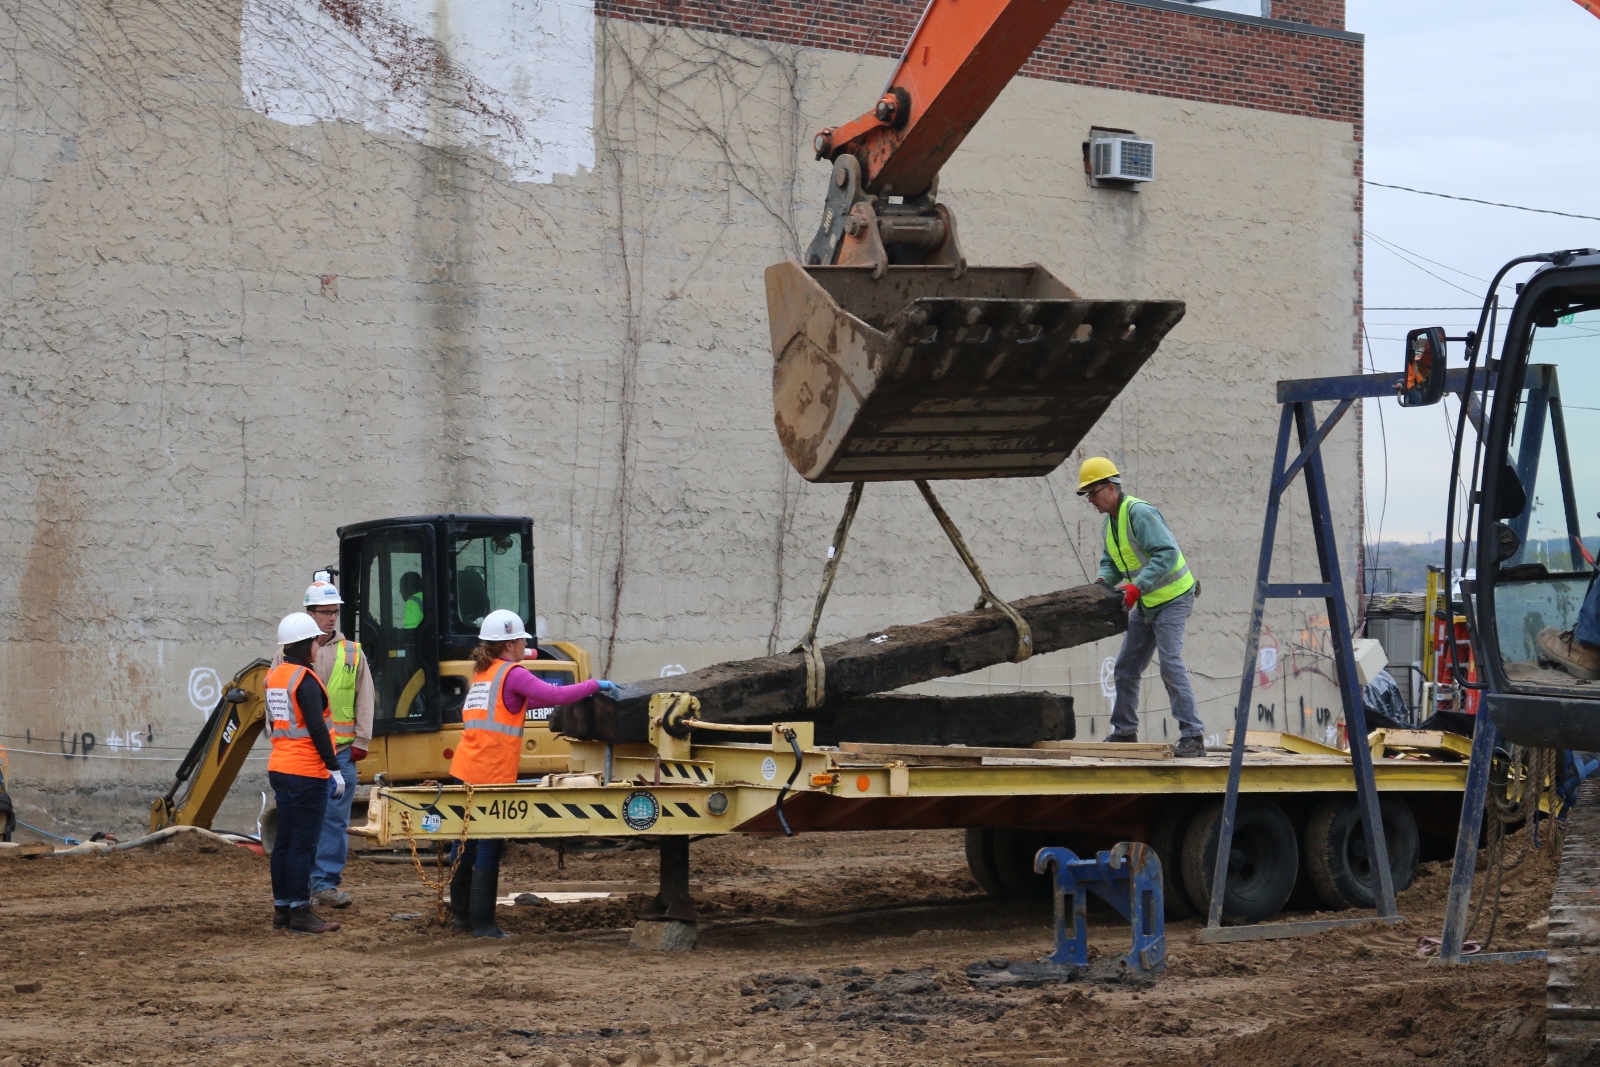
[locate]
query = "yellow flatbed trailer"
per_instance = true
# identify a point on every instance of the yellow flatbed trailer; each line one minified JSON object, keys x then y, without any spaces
{"x":1083,"y":795}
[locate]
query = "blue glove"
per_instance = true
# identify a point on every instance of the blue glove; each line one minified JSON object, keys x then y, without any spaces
{"x":610,"y":689}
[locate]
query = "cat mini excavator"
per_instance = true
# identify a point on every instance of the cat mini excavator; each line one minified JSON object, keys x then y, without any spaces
{"x":415,"y":590}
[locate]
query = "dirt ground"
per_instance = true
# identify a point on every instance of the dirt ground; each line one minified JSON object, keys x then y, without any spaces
{"x":825,"y":949}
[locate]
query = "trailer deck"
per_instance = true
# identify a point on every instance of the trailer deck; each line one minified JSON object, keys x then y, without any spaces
{"x":686,"y":788}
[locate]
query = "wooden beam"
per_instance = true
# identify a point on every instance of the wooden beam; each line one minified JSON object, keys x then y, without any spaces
{"x":996,"y":719}
{"x":1044,"y":750}
{"x":772,"y":688}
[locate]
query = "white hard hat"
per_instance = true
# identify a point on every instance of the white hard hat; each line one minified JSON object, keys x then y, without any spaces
{"x":297,"y":627}
{"x":501,"y":625}
{"x":320,"y":594}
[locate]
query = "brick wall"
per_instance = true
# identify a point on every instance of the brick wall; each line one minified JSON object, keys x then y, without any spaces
{"x":1328,"y":13}
{"x":1097,"y":42}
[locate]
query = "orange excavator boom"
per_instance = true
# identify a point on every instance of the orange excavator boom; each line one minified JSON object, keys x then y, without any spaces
{"x":959,"y":58}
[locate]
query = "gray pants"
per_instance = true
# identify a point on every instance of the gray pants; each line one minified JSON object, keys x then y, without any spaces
{"x":1148,"y":631}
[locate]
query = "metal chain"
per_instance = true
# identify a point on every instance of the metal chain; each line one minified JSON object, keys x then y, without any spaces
{"x":816,"y":670}
{"x":1024,"y":632}
{"x":461,"y":850}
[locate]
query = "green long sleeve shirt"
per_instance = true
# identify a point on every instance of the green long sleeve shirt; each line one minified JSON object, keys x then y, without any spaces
{"x":1154,"y":538}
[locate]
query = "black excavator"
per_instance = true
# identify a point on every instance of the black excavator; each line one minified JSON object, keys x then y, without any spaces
{"x":1528,"y":572}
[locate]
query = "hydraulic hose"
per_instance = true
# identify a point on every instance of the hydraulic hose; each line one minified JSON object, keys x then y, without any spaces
{"x":788,"y":735}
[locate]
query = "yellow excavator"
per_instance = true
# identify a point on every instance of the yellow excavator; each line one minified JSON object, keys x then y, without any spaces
{"x":415,"y":590}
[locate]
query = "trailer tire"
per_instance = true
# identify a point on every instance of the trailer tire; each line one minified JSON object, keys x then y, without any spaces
{"x":1265,"y":860}
{"x":1335,"y":853}
{"x":980,"y":862}
{"x":1166,"y":838}
{"x":1013,"y":853}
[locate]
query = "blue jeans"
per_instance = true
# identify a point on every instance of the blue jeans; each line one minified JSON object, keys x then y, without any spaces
{"x":1151,"y":630}
{"x":302,"y":802}
{"x":327,"y":870}
{"x":481,"y":855}
{"x":1588,"y":628}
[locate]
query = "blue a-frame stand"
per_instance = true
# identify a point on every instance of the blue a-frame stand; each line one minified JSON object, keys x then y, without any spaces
{"x":1298,"y":399}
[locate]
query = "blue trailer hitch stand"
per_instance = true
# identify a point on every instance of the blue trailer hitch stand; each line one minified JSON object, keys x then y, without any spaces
{"x":1128,"y":877}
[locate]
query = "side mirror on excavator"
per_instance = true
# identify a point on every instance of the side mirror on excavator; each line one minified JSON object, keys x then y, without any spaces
{"x":1425,"y":368}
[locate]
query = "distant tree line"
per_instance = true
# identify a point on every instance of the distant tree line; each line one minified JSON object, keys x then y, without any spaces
{"x":1402,"y":566}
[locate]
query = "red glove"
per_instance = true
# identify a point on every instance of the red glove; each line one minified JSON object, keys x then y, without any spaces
{"x":1130,"y":595}
{"x":357,"y":754}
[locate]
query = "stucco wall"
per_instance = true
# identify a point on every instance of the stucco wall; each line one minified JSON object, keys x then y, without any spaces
{"x":224,"y":335}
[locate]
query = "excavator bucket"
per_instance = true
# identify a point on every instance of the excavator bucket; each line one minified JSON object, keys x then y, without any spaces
{"x":924,"y":372}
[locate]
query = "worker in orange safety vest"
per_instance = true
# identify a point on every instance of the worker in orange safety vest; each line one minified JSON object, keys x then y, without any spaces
{"x":301,"y":769}
{"x":498,"y":699}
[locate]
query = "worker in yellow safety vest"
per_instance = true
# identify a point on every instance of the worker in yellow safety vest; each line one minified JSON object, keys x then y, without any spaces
{"x":302,"y":771}
{"x":1141,"y":558}
{"x":343,"y":669}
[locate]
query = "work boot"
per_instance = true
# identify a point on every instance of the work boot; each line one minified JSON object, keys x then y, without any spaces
{"x":332,"y":897}
{"x":485,"y":887}
{"x":302,"y":920}
{"x":1189,"y":746}
{"x":1562,"y":648}
{"x":460,"y":892}
{"x":280,"y":916}
{"x":1116,"y":735}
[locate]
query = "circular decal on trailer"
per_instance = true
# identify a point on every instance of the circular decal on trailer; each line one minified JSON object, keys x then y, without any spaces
{"x":641,"y":810}
{"x":769,"y":768}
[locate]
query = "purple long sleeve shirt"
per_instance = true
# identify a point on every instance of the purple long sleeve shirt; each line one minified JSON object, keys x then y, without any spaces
{"x":522,"y":691}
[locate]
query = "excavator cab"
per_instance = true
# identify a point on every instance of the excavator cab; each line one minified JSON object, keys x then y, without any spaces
{"x":416,"y":589}
{"x":1538,"y":525}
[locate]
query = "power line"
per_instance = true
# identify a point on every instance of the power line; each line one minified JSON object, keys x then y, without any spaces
{"x":1489,"y":203}
{"x":1399,"y":253}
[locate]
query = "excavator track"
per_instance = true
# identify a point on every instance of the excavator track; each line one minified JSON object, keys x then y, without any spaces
{"x":1572,"y":992}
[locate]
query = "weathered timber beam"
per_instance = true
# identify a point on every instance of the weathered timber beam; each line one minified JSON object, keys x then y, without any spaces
{"x":917,"y":719}
{"x":773,"y":687}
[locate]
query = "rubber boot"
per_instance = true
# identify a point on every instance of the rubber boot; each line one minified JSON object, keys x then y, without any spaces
{"x":303,"y":920}
{"x":485,"y":887}
{"x":460,"y":894}
{"x":280,"y":916}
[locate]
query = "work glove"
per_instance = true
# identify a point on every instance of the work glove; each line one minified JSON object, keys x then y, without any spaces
{"x":610,"y":689}
{"x":337,"y":780}
{"x":1130,"y":595}
{"x":357,"y":754}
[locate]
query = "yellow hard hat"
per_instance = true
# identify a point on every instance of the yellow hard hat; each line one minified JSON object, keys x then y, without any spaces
{"x":1095,"y":469}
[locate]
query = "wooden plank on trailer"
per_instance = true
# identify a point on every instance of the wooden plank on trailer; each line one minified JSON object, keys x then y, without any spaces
{"x":1045,"y":750}
{"x":1428,"y":741}
{"x":1108,"y":749}
{"x":1303,"y":746}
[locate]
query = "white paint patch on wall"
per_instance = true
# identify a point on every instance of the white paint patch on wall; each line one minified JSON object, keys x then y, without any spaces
{"x":514,"y":77}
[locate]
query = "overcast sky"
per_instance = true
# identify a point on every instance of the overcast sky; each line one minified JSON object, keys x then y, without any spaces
{"x":1493,"y":99}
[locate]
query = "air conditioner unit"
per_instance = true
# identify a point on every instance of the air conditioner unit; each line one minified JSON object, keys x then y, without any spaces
{"x":1122,"y":159}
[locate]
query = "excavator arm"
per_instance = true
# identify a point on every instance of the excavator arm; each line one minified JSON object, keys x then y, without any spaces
{"x":959,"y":58}
{"x":218,"y":753}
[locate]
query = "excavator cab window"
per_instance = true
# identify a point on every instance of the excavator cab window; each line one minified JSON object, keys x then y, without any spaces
{"x":397,"y":621}
{"x":1547,"y":492}
{"x":492,"y":571}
